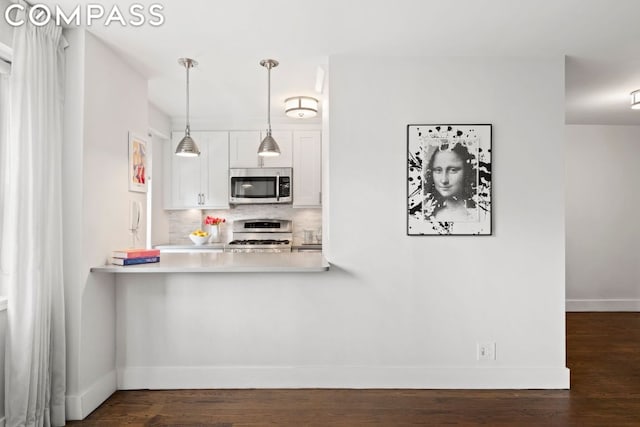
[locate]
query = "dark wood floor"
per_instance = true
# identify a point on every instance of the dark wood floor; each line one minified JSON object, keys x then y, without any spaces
{"x":603,"y":353}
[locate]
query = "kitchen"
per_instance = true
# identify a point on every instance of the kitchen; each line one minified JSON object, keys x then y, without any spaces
{"x":391,"y":310}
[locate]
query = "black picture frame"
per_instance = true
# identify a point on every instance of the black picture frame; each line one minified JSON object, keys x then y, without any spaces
{"x":449,"y":180}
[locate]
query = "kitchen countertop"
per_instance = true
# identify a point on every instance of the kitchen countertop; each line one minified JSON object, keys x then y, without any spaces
{"x":222,"y":262}
{"x":189,"y":247}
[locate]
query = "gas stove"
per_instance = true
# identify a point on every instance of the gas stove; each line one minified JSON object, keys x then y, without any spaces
{"x":261,"y":235}
{"x":259,"y":242}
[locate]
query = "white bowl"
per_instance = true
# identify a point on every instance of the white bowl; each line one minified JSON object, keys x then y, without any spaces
{"x":198,"y":240}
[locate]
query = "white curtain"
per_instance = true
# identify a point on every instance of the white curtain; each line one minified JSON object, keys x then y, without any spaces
{"x":5,"y":69}
{"x":31,"y":240}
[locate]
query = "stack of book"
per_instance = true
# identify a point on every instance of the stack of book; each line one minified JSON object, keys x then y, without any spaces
{"x":135,"y":256}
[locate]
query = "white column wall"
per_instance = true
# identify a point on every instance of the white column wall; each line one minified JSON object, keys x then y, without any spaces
{"x":105,"y":99}
{"x":603,"y":236}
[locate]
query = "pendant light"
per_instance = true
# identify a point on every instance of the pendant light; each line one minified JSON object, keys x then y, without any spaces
{"x":635,"y":99}
{"x":269,"y":146}
{"x":187,"y":146}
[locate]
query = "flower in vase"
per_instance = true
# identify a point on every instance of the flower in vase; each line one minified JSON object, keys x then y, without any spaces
{"x":212,"y":220}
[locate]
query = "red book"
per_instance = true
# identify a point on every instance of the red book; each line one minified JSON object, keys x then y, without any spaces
{"x":135,"y":253}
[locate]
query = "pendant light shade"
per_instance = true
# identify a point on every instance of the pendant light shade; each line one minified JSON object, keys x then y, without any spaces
{"x":301,"y":107}
{"x":269,"y":146}
{"x":187,"y":146}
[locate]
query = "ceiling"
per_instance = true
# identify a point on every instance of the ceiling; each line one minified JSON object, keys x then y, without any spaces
{"x":229,"y":38}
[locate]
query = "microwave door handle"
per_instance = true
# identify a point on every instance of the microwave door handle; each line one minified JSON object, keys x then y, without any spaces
{"x":277,"y":187}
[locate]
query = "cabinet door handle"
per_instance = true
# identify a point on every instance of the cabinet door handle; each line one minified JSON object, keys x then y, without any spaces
{"x":320,"y":197}
{"x":277,"y":187}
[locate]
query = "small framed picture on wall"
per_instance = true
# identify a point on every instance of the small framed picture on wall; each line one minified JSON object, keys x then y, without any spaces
{"x":449,"y":179}
{"x":137,"y":163}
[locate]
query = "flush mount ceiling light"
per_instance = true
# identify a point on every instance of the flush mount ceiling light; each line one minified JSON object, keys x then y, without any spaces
{"x":187,"y":146}
{"x":301,"y":107}
{"x":269,"y":146}
{"x":635,"y":99}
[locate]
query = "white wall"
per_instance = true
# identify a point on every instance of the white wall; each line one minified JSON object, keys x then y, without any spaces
{"x":105,"y":99}
{"x":160,"y":131}
{"x":394,"y":311}
{"x":3,"y":335}
{"x":159,"y":122}
{"x":602,"y":232}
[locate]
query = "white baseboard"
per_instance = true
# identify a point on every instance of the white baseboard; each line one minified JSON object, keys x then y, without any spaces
{"x":79,"y":406}
{"x":602,"y":305}
{"x":357,"y":377}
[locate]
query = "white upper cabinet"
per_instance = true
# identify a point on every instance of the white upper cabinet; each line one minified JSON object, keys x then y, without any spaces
{"x":203,"y":182}
{"x":184,"y":177}
{"x":243,"y":150}
{"x":198,"y":182}
{"x":215,"y":182}
{"x":307,"y":169}
{"x":285,"y":142}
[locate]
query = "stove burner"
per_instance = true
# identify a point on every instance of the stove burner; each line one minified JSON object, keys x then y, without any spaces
{"x":259,"y":242}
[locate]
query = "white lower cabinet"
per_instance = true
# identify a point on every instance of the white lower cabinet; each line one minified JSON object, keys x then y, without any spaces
{"x":198,"y":182}
{"x":307,"y":169}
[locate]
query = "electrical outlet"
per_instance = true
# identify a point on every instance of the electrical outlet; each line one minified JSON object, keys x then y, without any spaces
{"x":486,"y":351}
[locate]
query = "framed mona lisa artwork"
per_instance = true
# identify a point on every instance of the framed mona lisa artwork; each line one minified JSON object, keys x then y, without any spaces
{"x":449,"y":179}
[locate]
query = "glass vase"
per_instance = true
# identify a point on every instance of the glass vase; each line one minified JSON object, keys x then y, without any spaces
{"x":214,"y":233}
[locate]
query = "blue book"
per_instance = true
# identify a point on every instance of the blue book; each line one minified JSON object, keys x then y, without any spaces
{"x":133,"y":261}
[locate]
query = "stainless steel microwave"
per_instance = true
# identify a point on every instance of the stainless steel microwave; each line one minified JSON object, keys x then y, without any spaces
{"x":260,"y":185}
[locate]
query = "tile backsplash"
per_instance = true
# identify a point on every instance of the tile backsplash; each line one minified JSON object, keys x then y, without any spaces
{"x":183,"y":222}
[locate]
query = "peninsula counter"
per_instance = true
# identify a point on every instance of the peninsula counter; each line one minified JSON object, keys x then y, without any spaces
{"x":222,"y":262}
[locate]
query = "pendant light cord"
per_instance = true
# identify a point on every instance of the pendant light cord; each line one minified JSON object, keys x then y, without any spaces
{"x":188,"y":130}
{"x":269,"y":98}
